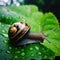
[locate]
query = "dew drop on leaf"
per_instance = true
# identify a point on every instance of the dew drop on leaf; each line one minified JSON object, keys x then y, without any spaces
{"x":2,"y":15}
{"x":22,"y":49}
{"x":15,"y":56}
{"x":22,"y":54}
{"x":37,"y":48}
{"x":32,"y":54}
{"x":17,"y":51}
{"x":5,"y":35}
{"x":2,"y":25}
{"x":5,"y":41}
{"x":31,"y":48}
{"x":10,"y":48}
{"x":8,"y":51}
{"x":45,"y":57}
{"x":7,"y":17}
{"x":39,"y":53}
{"x":3,"y":31}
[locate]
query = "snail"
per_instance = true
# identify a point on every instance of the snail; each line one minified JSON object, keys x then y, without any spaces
{"x":21,"y":30}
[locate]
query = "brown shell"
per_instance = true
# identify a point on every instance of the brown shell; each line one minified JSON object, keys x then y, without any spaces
{"x":17,"y":31}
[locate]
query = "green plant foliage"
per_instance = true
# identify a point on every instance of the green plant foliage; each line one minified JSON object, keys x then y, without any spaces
{"x":25,"y":10}
{"x":50,"y":21}
{"x":37,"y":20}
{"x":8,"y":16}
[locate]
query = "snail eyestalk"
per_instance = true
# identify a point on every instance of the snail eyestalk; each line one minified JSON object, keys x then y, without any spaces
{"x":43,"y":30}
{"x":43,"y":26}
{"x":47,"y":40}
{"x":50,"y":31}
{"x":23,"y":31}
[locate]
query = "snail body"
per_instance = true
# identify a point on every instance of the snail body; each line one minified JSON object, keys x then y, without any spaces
{"x":17,"y":31}
{"x":20,"y":30}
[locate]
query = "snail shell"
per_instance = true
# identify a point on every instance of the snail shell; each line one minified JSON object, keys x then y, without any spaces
{"x":17,"y":31}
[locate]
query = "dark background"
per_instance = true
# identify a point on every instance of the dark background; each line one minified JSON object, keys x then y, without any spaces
{"x":47,"y":6}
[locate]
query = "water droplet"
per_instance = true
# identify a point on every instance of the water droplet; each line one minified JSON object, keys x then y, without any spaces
{"x":45,"y":57}
{"x":5,"y":41}
{"x":39,"y":53}
{"x":8,"y":52}
{"x":2,"y":25}
{"x":22,"y":49}
{"x":32,"y":54}
{"x":2,"y":15}
{"x":15,"y":56}
{"x":10,"y":48}
{"x":3,"y":31}
{"x":31,"y":48}
{"x":7,"y":17}
{"x":37,"y":48}
{"x":17,"y":51}
{"x":22,"y":54}
{"x":5,"y":35}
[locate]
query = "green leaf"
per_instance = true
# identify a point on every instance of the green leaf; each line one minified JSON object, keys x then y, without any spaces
{"x":26,"y":10}
{"x":8,"y":16}
{"x":37,"y":20}
{"x":49,"y":22}
{"x":51,"y":28}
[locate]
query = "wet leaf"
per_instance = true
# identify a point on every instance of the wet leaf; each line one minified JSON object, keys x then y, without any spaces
{"x":37,"y":20}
